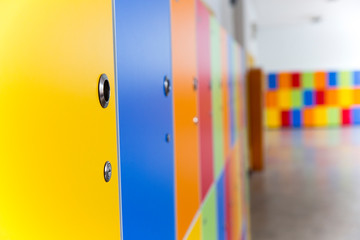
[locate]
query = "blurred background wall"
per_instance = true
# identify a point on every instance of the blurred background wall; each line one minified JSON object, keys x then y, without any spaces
{"x":309,"y":35}
{"x":239,"y":18}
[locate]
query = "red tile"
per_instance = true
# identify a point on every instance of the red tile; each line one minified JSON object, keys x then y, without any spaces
{"x":295,"y":80}
{"x":320,"y":97}
{"x":346,"y":119}
{"x":285,"y":118}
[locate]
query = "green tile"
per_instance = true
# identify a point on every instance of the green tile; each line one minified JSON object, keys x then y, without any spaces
{"x":333,"y":116}
{"x":345,"y":79}
{"x":209,"y":216}
{"x":307,"y":80}
{"x":296,"y":98}
{"x":216,"y":96}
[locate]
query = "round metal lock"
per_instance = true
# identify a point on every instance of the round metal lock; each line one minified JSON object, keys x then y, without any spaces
{"x":195,"y":84}
{"x":167,"y":138}
{"x":167,"y":87}
{"x":196,"y":120}
{"x":107,"y":171}
{"x":104,"y":90}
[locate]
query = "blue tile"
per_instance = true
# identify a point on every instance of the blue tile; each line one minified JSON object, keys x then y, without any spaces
{"x":308,"y":98}
{"x":296,"y":118}
{"x":355,"y":116}
{"x":356,"y":77}
{"x":272,"y":81}
{"x":332,"y":79}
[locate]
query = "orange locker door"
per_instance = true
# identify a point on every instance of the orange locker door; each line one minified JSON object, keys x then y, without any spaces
{"x":225,"y":92}
{"x":55,"y":137}
{"x":183,"y":30}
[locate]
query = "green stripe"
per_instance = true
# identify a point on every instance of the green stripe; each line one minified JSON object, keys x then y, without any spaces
{"x":218,"y":142}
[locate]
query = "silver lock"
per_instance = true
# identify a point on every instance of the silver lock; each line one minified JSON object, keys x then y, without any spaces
{"x":195,"y":84}
{"x":107,"y":171}
{"x":104,"y":90}
{"x":196,"y":120}
{"x":167,"y":87}
{"x":167,"y":137}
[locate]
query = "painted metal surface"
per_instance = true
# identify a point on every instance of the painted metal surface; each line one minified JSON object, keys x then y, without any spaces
{"x":55,"y":136}
{"x":209,"y":216}
{"x":221,"y":207}
{"x":204,"y":102}
{"x":216,"y":93}
{"x":145,"y":118}
{"x":231,"y":86}
{"x":186,"y":139}
{"x":228,"y":200}
{"x":225,"y":92}
{"x":236,"y":217}
{"x":195,"y":233}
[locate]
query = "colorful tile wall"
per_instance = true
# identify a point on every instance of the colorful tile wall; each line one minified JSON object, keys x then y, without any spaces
{"x":312,"y":99}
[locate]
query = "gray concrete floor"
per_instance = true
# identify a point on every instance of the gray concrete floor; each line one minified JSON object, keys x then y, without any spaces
{"x":310,"y":189}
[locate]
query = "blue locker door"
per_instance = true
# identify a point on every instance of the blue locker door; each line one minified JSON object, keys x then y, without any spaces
{"x":221,"y":211}
{"x":142,"y":30}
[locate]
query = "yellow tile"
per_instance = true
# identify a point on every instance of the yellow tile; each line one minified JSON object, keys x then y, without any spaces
{"x":284,"y":99}
{"x":346,"y":97}
{"x":272,"y":118}
{"x":320,"y":116}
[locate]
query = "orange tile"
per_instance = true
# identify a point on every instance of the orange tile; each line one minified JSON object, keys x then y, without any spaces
{"x":271,"y":99}
{"x":284,"y":80}
{"x":331,"y":97}
{"x":308,"y":117}
{"x":356,"y":96}
{"x":320,"y":80}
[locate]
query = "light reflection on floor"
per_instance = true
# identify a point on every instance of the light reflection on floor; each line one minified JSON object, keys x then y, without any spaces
{"x":310,"y":189}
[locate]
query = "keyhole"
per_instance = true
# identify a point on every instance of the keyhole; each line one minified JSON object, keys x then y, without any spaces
{"x":104,"y":90}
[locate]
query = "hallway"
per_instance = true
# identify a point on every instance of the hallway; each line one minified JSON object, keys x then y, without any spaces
{"x":310,"y":188}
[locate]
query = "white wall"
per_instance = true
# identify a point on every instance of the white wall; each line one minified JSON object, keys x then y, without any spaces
{"x":331,"y":44}
{"x":250,"y":36}
{"x":237,"y":20}
{"x":224,"y":12}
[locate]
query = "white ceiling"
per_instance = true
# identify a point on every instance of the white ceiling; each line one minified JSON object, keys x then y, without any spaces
{"x":281,"y":12}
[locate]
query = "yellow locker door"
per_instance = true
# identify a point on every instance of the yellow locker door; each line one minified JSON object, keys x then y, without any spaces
{"x":55,"y":137}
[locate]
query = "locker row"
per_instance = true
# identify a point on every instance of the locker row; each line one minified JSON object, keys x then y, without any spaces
{"x":120,"y":120}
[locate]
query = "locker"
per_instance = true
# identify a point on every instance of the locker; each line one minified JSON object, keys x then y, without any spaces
{"x":236,"y":193}
{"x":195,"y":233}
{"x":209,"y":216}
{"x":145,"y":118}
{"x":204,"y":97}
{"x":221,"y":210}
{"x":239,"y":96}
{"x":216,"y":96}
{"x":55,"y":136}
{"x":241,"y":73}
{"x":183,"y":30}
{"x":231,"y":84}
{"x":225,"y":92}
{"x":228,"y":199}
